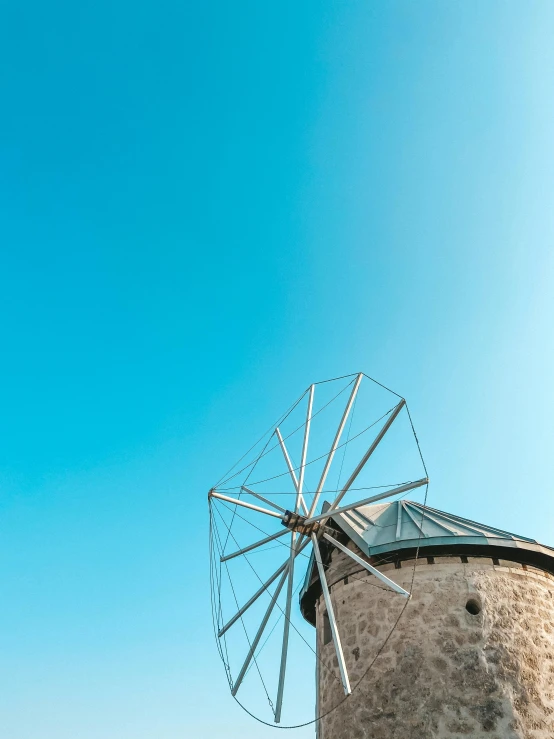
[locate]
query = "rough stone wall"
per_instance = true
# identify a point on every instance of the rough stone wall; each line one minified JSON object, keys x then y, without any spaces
{"x":444,"y":673}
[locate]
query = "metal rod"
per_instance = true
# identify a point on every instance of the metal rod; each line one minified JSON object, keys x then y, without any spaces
{"x":291,"y":469}
{"x":243,"y":504}
{"x":254,"y":598}
{"x":305,"y":447}
{"x":287,"y":458}
{"x":335,"y":444}
{"x":367,"y":566}
{"x":262,"y":590}
{"x":367,"y":501}
{"x":286,"y":629}
{"x":256,"y":544}
{"x":368,"y":454}
{"x":261,"y":497}
{"x":288,"y":605}
{"x":260,"y":631}
{"x":331,"y":616}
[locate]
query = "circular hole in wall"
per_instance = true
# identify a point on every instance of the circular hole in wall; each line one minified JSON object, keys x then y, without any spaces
{"x":473,"y":607}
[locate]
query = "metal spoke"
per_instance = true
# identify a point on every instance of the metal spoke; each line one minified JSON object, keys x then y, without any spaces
{"x":291,"y":469}
{"x":286,"y":629}
{"x":335,"y":444}
{"x":368,"y":454}
{"x":260,"y":631}
{"x":331,"y":617}
{"x":219,"y":496}
{"x":299,"y":500}
{"x":367,"y":501}
{"x":255,"y":545}
{"x":287,"y":458}
{"x":262,"y":590}
{"x":392,"y":585}
{"x":261,"y":497}
{"x":305,"y":448}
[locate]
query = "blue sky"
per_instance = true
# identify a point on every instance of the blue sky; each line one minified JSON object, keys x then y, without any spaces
{"x":204,"y":207}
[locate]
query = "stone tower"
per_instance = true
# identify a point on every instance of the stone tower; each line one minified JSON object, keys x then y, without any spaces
{"x":472,"y":656}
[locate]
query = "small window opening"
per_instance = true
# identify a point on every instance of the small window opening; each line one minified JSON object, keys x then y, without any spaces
{"x":346,"y":580}
{"x":430,"y":560}
{"x":327,"y":636}
{"x":495,"y":561}
{"x":397,"y":564}
{"x":473,"y":607}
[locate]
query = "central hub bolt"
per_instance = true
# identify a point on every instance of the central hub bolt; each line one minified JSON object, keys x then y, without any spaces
{"x":296,"y":522}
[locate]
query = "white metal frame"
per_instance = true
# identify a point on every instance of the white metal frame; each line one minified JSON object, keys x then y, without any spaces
{"x":285,"y":573}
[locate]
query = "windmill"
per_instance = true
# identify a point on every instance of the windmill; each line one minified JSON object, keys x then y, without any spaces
{"x":283,"y":490}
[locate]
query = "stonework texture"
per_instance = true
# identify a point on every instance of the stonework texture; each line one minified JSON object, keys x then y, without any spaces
{"x":444,"y":673}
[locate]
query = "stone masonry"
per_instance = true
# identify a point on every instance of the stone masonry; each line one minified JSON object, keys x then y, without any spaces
{"x":446,"y":672}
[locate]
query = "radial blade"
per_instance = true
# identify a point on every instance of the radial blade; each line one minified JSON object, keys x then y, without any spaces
{"x":335,"y":444}
{"x":367,"y":501}
{"x":368,"y":454}
{"x":331,"y":616}
{"x":255,"y":545}
{"x":291,"y":469}
{"x":254,"y":598}
{"x":262,"y":590}
{"x":242,"y":503}
{"x":305,"y":448}
{"x":287,"y":458}
{"x":260,"y":631}
{"x":392,"y":585}
{"x":261,"y":497}
{"x":286,"y":629}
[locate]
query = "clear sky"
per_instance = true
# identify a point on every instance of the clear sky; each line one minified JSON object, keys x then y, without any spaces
{"x":203,"y":208}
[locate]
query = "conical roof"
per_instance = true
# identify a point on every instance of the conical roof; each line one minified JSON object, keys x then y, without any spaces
{"x":404,"y":524}
{"x":396,"y":531}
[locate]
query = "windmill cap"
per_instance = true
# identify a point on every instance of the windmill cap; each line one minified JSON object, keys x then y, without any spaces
{"x":398,"y":530}
{"x":403,"y":524}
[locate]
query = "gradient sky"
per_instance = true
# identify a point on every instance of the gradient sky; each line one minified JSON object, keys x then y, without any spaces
{"x":204,"y":207}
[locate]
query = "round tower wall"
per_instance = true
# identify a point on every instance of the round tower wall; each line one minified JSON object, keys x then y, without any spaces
{"x":446,"y":671}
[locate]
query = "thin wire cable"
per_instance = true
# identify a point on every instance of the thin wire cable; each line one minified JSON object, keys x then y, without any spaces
{"x":378,"y":654}
{"x":248,"y":475}
{"x":287,"y":413}
{"x":323,"y":492}
{"x":288,"y":546}
{"x":347,"y":440}
{"x":276,"y":603}
{"x":335,"y":677}
{"x":283,"y":474}
{"x":381,"y":385}
{"x":417,"y":442}
{"x":279,"y":420}
{"x":252,"y":651}
{"x":279,"y":619}
{"x":213,"y":568}
{"x":342,"y":377}
{"x":302,"y":425}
